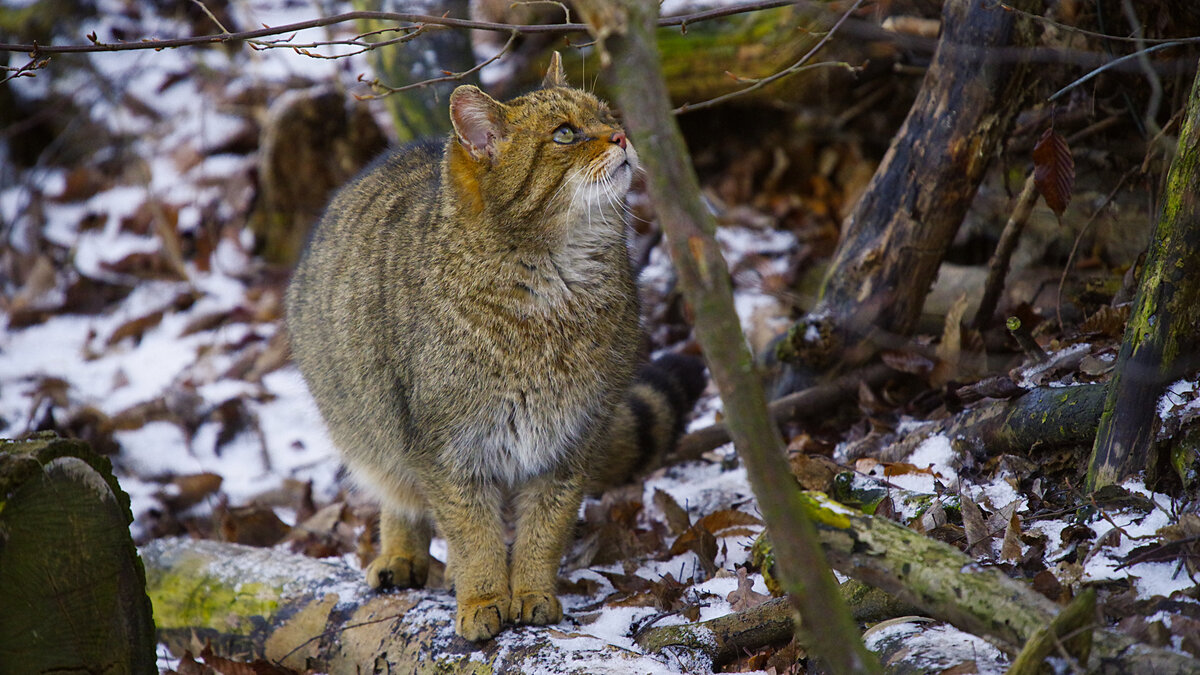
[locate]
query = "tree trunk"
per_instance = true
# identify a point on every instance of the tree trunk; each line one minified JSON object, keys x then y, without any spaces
{"x":74,"y":591}
{"x":675,"y":193}
{"x":900,"y":230}
{"x":1163,"y":332}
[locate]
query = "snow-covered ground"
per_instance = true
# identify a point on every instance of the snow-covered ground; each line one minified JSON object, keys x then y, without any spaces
{"x":157,"y":352}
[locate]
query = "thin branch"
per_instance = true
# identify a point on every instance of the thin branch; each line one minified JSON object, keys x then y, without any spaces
{"x":1075,"y":29}
{"x":407,"y":17}
{"x":448,"y":77}
{"x":790,"y":70}
{"x":1135,"y":55}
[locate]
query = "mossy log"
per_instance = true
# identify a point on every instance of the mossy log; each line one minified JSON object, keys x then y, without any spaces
{"x":1161,"y":338}
{"x":74,"y":591}
{"x":714,"y":58}
{"x":948,"y":585}
{"x":255,"y":603}
{"x":1043,"y":417}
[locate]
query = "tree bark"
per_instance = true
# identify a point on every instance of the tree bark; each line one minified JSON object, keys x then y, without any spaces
{"x":894,"y":241}
{"x":73,"y":595}
{"x":1163,"y":332}
{"x":674,"y":191}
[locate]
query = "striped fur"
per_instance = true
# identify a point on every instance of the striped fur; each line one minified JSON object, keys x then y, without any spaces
{"x":467,"y":322}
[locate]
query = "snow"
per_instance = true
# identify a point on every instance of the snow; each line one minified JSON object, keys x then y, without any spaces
{"x":294,"y":443}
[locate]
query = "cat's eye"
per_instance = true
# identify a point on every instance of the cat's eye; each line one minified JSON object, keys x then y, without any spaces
{"x":565,"y":134}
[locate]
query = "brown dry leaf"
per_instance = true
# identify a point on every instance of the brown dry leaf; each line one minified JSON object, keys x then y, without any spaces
{"x":745,"y":597}
{"x":151,"y":265}
{"x":1010,"y":550}
{"x":699,"y":540}
{"x":251,"y":525}
{"x":975,"y":526}
{"x":1107,"y":321}
{"x":814,"y":472}
{"x":907,"y":362}
{"x":668,"y":593}
{"x":728,"y":522}
{"x":188,"y":490}
{"x":41,"y":279}
{"x":677,"y":517}
{"x":135,"y":328}
{"x":226,"y":666}
{"x":1054,"y":170}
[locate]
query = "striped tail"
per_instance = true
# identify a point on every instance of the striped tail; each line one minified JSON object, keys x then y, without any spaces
{"x":650,"y":420}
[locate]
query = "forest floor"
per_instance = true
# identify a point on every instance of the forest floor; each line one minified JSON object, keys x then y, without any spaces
{"x":140,"y":318}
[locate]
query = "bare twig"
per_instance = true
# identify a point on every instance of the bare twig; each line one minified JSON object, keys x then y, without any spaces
{"x":448,"y":77}
{"x":790,"y":70}
{"x":35,"y":49}
{"x":1135,"y":55}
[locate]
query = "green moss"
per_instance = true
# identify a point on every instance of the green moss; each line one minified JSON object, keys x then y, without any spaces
{"x":825,"y":511}
{"x":187,"y":596}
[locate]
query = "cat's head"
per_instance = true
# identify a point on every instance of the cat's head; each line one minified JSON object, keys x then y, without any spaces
{"x":553,"y":151}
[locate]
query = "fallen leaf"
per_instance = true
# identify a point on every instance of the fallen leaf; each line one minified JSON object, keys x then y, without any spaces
{"x":975,"y":526}
{"x":677,"y":517}
{"x":745,"y":597}
{"x":1010,"y":550}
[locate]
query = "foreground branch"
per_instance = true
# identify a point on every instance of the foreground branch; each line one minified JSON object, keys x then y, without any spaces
{"x":674,"y":190}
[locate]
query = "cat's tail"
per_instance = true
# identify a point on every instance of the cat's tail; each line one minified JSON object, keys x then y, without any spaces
{"x":650,"y":420}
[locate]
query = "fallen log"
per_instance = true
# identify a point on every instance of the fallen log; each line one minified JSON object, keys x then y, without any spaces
{"x":309,"y":614}
{"x":1046,"y":416}
{"x":948,"y":585}
{"x":724,"y":638}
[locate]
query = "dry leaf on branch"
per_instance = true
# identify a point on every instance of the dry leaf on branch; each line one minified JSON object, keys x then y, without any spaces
{"x":1054,"y":170}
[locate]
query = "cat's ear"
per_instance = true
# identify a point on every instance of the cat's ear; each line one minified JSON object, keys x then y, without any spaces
{"x":555,"y":76}
{"x":478,"y":121}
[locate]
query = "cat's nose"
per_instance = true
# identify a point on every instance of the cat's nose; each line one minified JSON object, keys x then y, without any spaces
{"x":619,"y":138}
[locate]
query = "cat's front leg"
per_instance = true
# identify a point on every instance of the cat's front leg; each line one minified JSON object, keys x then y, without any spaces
{"x":468,"y":514}
{"x":547,"y":507}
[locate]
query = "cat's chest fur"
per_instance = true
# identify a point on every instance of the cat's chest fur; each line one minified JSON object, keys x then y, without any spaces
{"x":546,"y":339}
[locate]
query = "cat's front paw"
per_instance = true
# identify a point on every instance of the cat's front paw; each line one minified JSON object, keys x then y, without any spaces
{"x":536,"y":608}
{"x":481,"y":618}
{"x":397,"y":571}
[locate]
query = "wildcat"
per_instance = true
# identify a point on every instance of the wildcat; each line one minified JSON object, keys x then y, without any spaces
{"x":466,"y":318}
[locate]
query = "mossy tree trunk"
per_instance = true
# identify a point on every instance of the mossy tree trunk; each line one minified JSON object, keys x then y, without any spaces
{"x":72,"y":588}
{"x":1163,"y":332}
{"x":898,"y":234}
{"x":626,"y":29}
{"x":421,"y":112}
